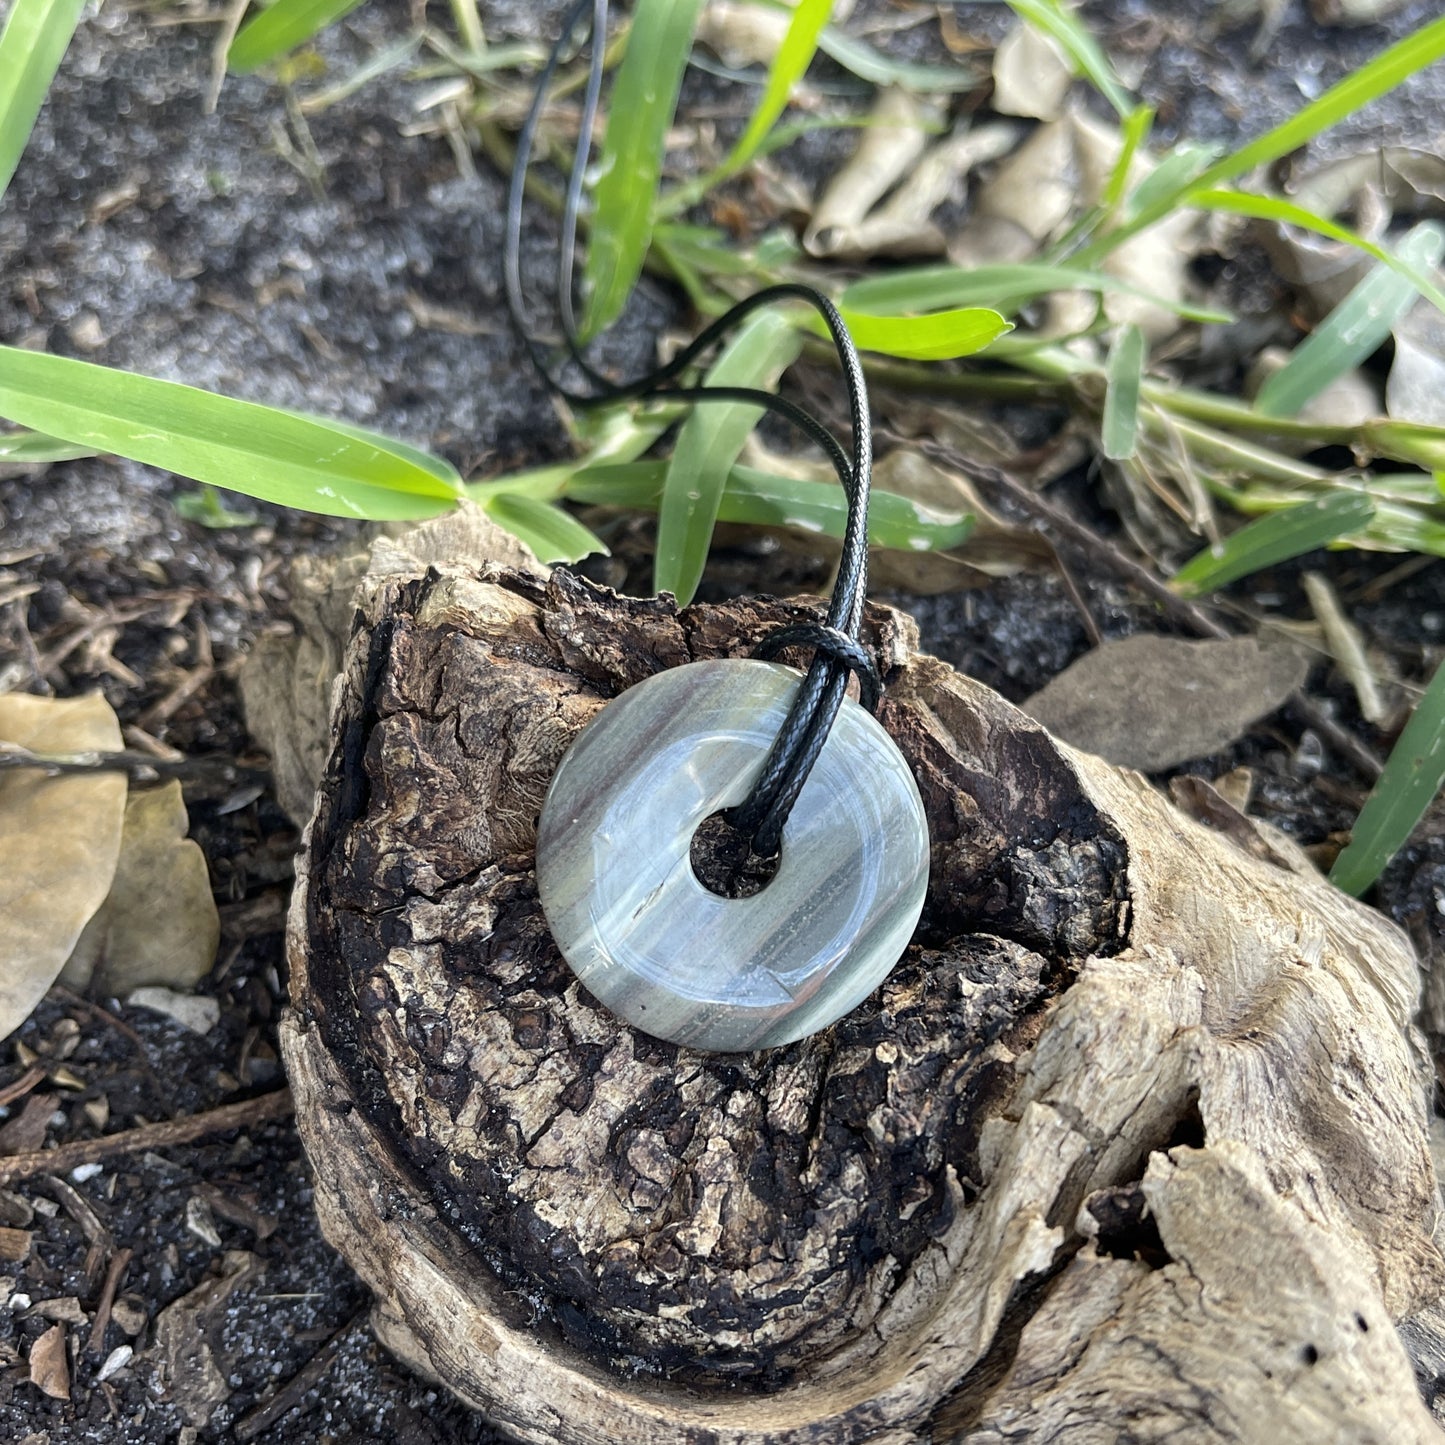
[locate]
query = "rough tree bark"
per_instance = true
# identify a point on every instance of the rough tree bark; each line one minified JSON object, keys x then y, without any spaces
{"x":1130,"y":1146}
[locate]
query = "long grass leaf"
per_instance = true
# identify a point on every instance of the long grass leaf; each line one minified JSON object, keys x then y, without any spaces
{"x":1054,"y":20}
{"x":1124,"y":375}
{"x":639,"y":114}
{"x":1275,"y":538}
{"x":936,"y":336}
{"x":1354,"y":330}
{"x":282,"y":27}
{"x":1271,"y":208}
{"x":554,"y":535}
{"x":708,"y":444}
{"x":879,"y":69}
{"x":1182,"y":167}
{"x":764,"y":499}
{"x":1134,"y":132}
{"x":262,"y":451}
{"x":1413,"y":775}
{"x":794,"y":56}
{"x":35,"y":38}
{"x":1372,"y":80}
{"x":1003,"y":288}
{"x":33,"y":449}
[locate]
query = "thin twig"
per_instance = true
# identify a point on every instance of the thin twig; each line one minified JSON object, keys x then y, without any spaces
{"x":167,"y":1134}
{"x":291,"y":1394}
{"x":23,"y":1085}
{"x":142,"y":768}
{"x":118,"y":1262}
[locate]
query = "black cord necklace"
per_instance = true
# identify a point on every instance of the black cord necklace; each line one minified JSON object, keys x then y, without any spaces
{"x":837,"y":651}
{"x":613,"y":840}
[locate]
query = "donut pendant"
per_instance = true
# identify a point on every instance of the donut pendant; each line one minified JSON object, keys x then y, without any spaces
{"x":655,"y":946}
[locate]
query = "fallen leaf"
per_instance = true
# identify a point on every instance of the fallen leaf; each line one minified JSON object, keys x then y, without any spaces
{"x":59,"y":843}
{"x":49,"y":1369}
{"x":901,"y":225}
{"x":158,"y":924}
{"x":64,"y":1310}
{"x":1153,"y":702}
{"x":895,"y":136}
{"x":193,"y":1011}
{"x":26,"y":1131}
{"x":1031,"y":75}
{"x":14,"y":1244}
{"x":186,"y":1365}
{"x":1354,"y":12}
{"x":1415,"y":390}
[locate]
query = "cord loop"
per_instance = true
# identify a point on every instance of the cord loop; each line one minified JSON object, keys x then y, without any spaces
{"x":836,"y":646}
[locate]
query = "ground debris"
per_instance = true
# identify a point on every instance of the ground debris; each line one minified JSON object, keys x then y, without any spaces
{"x":1153,"y":702}
{"x":184,"y":1351}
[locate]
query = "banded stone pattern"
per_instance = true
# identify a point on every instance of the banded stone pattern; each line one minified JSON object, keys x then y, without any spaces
{"x":649,"y":940}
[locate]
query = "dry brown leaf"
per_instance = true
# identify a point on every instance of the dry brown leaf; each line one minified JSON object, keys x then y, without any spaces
{"x":14,"y":1244}
{"x":158,"y":924}
{"x":895,"y":137}
{"x":26,"y":1130}
{"x":59,"y":842}
{"x":1031,"y":74}
{"x":1064,"y":167}
{"x":1416,"y":388}
{"x":1354,"y":12}
{"x":49,"y":1369}
{"x":1152,"y":702}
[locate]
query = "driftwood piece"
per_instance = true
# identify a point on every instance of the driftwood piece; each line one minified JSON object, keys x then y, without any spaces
{"x":1131,"y":1144}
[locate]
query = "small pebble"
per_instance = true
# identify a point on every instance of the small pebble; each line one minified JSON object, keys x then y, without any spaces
{"x":115,"y":1361}
{"x":83,"y":1172}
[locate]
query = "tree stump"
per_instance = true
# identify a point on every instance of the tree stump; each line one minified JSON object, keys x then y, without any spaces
{"x":1131,"y":1145}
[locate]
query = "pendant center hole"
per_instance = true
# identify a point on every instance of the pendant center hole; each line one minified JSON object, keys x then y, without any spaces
{"x":724,"y":863}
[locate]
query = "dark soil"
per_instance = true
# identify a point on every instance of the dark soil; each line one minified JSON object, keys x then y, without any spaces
{"x":141,"y":232}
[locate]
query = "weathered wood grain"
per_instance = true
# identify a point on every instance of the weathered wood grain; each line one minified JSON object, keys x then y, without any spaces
{"x":1131,"y":1145}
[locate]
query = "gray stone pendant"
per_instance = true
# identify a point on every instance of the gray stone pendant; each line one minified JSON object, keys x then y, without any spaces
{"x":658,"y":948}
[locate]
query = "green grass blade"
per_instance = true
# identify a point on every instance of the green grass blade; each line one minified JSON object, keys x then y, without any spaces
{"x":639,"y":114}
{"x":1271,"y":208}
{"x":1062,"y":25}
{"x":1354,"y":330}
{"x":1375,"y":78}
{"x":207,"y":507}
{"x":794,"y":56}
{"x":35,"y":449}
{"x":937,"y":336}
{"x":296,"y":461}
{"x":1124,"y":375}
{"x":1406,"y":441}
{"x":1003,"y":288}
{"x":32,"y":44}
{"x":1135,"y":131}
{"x":282,"y":27}
{"x":1182,"y":167}
{"x":763,"y":499}
{"x":1372,"y":80}
{"x":1275,"y":538}
{"x":553,"y":534}
{"x":1413,"y":774}
{"x":708,"y":444}
{"x":879,"y":69}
